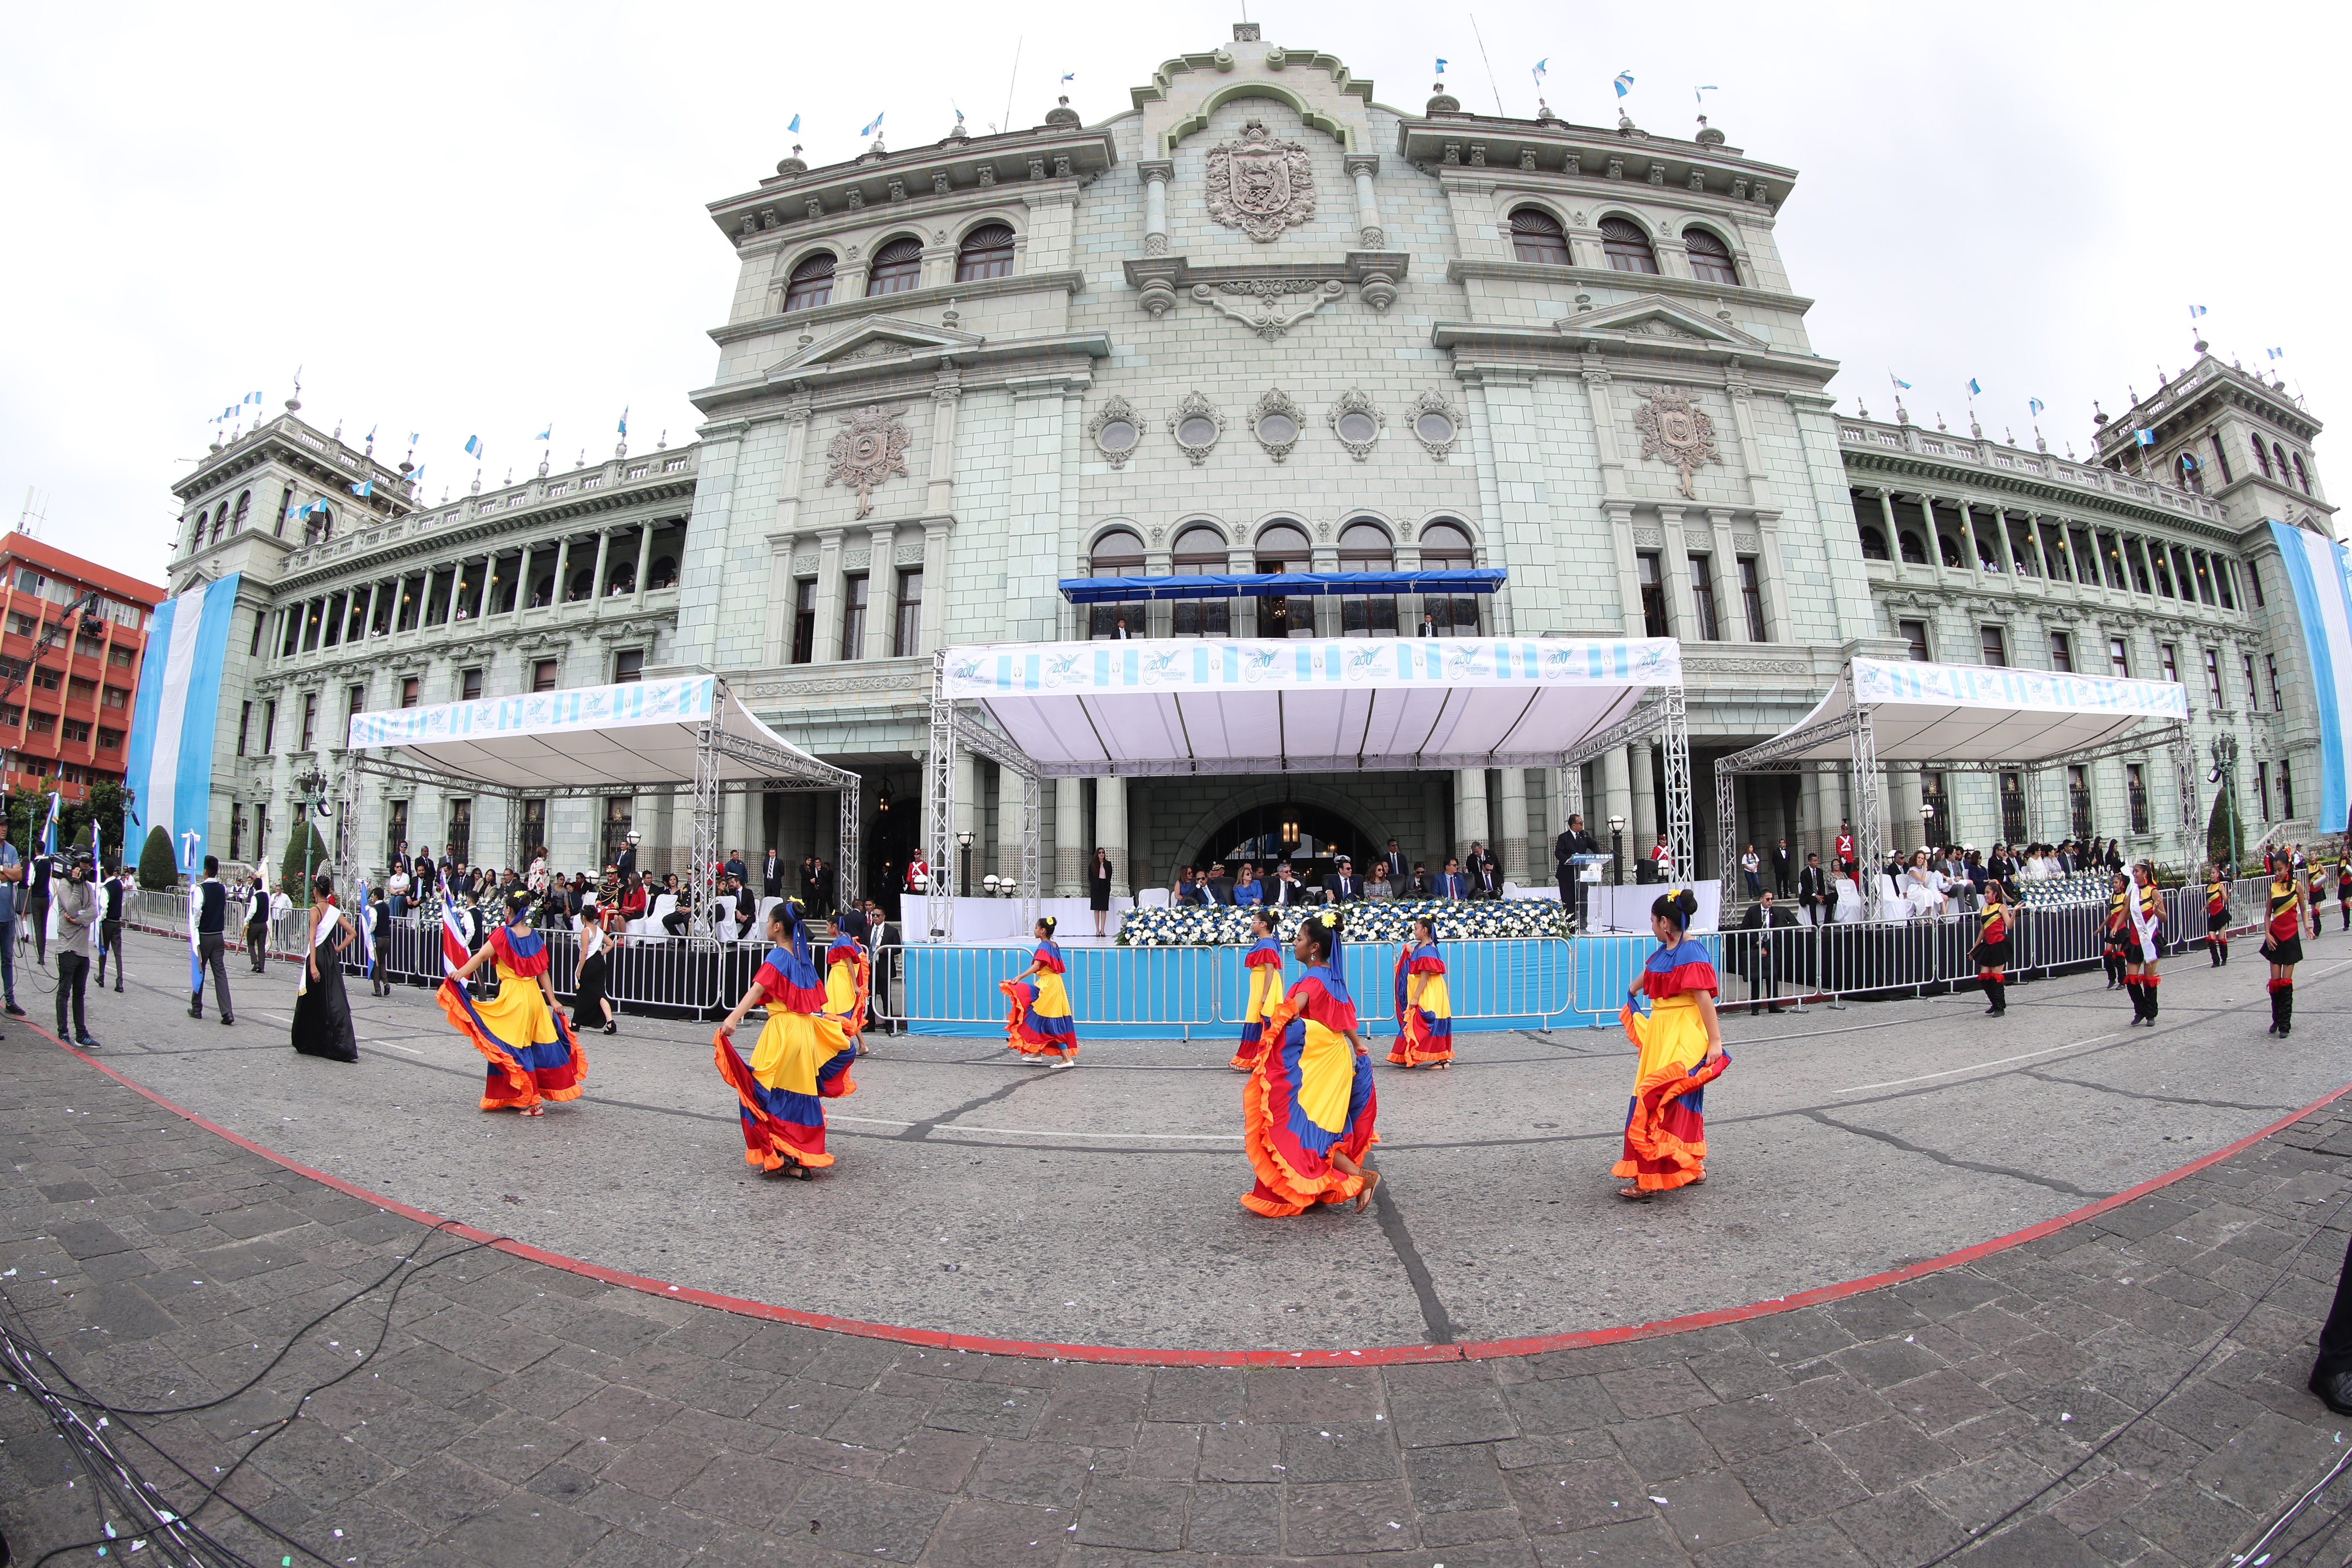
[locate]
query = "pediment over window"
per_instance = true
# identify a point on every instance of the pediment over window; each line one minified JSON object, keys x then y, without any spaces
{"x":1653,"y":315}
{"x":877,"y":337}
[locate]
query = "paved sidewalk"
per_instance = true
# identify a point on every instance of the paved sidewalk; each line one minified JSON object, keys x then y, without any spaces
{"x":2128,"y":1390}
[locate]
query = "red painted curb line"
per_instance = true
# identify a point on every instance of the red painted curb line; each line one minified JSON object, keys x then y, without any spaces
{"x":1386,"y":1355}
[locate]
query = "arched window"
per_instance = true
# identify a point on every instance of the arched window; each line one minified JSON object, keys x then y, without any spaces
{"x":243,"y":505}
{"x":1627,"y":247}
{"x":1874,"y":543}
{"x":1536,"y":236}
{"x":1710,"y":258}
{"x":1283,"y":547}
{"x":584,"y":582}
{"x":987,"y":252}
{"x":663,"y":573}
{"x":1118,"y":553}
{"x":2262,"y":456}
{"x":1200,"y":552}
{"x":2302,"y":477}
{"x":1951,"y":550}
{"x":321,"y":528}
{"x":1445,"y":547}
{"x":898,"y":267}
{"x":1366,"y":547}
{"x":811,"y":284}
{"x":2280,"y":453}
{"x":2189,"y":476}
{"x":1912,"y":550}
{"x":196,"y":538}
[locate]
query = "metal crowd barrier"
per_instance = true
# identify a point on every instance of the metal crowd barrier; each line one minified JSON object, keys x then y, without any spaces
{"x":938,"y":983}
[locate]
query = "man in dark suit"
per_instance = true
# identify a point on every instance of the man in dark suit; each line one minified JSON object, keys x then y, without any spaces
{"x":1762,"y":960}
{"x":771,"y":876}
{"x":735,"y":867}
{"x":1190,"y":889}
{"x":1480,"y":855}
{"x":1573,"y":841}
{"x":1399,"y":868}
{"x":1817,"y":891}
{"x":1341,"y":887}
{"x":1486,"y":882}
{"x":1286,"y":890}
{"x":1451,"y":882}
{"x":1782,"y":864}
{"x":1220,"y":885}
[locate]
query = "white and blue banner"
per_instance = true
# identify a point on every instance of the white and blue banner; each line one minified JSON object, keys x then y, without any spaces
{"x":175,"y":723}
{"x":2317,"y":568}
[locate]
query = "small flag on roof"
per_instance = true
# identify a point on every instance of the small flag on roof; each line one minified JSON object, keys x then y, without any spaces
{"x":473,"y":445}
{"x":1441,"y":67}
{"x":1974,"y":390}
{"x":1623,"y":83}
{"x":2145,"y":436}
{"x":364,"y":489}
{"x":796,"y":126}
{"x":871,"y":128}
{"x":2035,"y":405}
{"x":2195,"y":312}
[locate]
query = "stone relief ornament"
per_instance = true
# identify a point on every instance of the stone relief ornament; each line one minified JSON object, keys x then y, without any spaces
{"x":871,"y":450}
{"x":1276,"y":421}
{"x":1269,"y":306}
{"x":1357,"y":421}
{"x":1115,"y":431}
{"x":1676,"y":431}
{"x":1197,"y":425}
{"x":1260,"y":186}
{"x":1436,"y":425}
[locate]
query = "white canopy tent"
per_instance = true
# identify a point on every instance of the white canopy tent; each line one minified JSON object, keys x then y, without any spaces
{"x":1179,"y":709}
{"x":688,"y":734}
{"x":1965,"y":717}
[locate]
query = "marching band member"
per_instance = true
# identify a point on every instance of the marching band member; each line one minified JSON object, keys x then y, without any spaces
{"x":1992,"y":950}
{"x":2283,"y":943}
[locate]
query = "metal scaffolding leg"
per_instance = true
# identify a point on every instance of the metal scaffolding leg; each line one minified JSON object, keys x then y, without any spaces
{"x":847,"y":859}
{"x":1679,"y":826}
{"x":2032,"y":807}
{"x":2192,"y":813}
{"x":1726,"y":809}
{"x":1033,"y":837}
{"x":938,"y":807}
{"x":347,"y":832}
{"x":1869,"y":838}
{"x":705,"y":804}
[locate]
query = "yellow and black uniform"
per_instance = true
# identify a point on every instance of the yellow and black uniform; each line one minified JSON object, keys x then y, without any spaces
{"x":1991,"y":954}
{"x":2283,"y":945}
{"x":2343,"y":891}
{"x":2112,"y":936}
{"x":2217,"y":920}
{"x":2143,"y":937}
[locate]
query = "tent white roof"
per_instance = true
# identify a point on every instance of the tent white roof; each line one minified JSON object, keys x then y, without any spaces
{"x":1174,"y":707}
{"x":1942,"y":712}
{"x":642,"y":734}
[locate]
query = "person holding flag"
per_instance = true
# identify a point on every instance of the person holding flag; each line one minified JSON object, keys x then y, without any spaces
{"x":208,"y":932}
{"x":532,"y":1053}
{"x":323,"y":1010}
{"x":375,"y":937}
{"x":111,"y":893}
{"x":37,"y":900}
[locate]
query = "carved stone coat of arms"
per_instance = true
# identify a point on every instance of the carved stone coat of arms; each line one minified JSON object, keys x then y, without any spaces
{"x":871,"y":450}
{"x":1260,"y":186}
{"x":1676,"y":431}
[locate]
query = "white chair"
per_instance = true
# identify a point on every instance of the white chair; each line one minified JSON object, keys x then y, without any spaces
{"x":759,"y":931}
{"x":650,"y":922}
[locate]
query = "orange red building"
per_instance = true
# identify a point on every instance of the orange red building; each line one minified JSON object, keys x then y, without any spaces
{"x":64,"y":712}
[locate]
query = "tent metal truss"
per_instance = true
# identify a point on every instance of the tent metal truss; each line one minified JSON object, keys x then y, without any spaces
{"x":1781,"y":754}
{"x":786,"y":772}
{"x":1662,"y":712}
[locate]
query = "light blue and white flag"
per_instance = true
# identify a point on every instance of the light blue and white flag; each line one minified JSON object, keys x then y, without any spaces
{"x":876,"y":124}
{"x":2277,"y":354}
{"x":414,"y":438}
{"x":364,"y":918}
{"x":1974,"y":390}
{"x":624,"y":421}
{"x":1441,"y":67}
{"x":364,"y":489}
{"x":473,"y":445}
{"x":546,"y":434}
{"x":1541,"y":65}
{"x":1623,"y":83}
{"x":1067,"y":78}
{"x":252,"y":397}
{"x":371,"y":438}
{"x":196,"y":902}
{"x":796,"y":126}
{"x":49,"y":827}
{"x":1700,"y":93}
{"x":2034,"y":405}
{"x":170,"y":760}
{"x":2195,"y":312}
{"x":1900,"y":383}
{"x":2145,"y":437}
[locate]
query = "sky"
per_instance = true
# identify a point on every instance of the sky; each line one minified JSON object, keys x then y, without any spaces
{"x":483,"y":220}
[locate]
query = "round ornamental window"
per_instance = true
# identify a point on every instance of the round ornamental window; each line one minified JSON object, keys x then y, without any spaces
{"x":1278,"y":429}
{"x":1435,"y":428}
{"x":1116,"y":436}
{"x":1197,"y":431}
{"x":1357,"y":428}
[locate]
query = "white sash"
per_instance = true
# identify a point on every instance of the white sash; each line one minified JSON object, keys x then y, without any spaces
{"x":329,"y":923}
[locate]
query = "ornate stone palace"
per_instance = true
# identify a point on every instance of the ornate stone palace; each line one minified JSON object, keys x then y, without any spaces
{"x":1260,"y":322}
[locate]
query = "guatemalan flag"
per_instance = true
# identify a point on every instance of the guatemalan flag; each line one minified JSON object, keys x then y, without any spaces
{"x":367,"y":932}
{"x":454,"y":950}
{"x":195,"y":961}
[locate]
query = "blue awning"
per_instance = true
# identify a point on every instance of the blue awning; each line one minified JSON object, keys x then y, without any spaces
{"x":1277,"y":586}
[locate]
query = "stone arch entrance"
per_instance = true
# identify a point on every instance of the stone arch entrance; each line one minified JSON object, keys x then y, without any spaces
{"x":1334,"y":822}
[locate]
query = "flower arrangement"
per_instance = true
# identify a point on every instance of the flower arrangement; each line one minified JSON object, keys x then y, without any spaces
{"x":1224,"y":925}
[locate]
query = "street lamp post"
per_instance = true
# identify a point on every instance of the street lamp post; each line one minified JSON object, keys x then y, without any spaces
{"x":2225,"y":774}
{"x":310,"y":784}
{"x":964,"y":863}
{"x":1616,"y":851}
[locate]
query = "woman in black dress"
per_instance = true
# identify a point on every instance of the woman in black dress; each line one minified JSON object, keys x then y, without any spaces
{"x":1099,"y":886}
{"x":591,"y":1008}
{"x":322,"y":1012}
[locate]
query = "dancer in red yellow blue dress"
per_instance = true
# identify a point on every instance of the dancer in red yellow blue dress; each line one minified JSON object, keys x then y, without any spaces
{"x":1681,"y":1047}
{"x":2283,"y":942}
{"x":1308,"y":1109}
{"x":1424,"y":1010}
{"x":1262,"y":965}
{"x":532,"y":1053}
{"x":1040,"y":1027}
{"x":801,"y":1058}
{"x":848,"y":976}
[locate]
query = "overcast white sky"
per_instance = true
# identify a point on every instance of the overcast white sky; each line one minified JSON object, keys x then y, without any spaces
{"x":477,"y":219}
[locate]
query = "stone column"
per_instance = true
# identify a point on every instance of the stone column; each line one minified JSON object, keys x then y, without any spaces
{"x":644,"y":554}
{"x":1673,"y":565}
{"x":1156,"y":175}
{"x":935,"y":585}
{"x":1815,"y":833}
{"x":1360,"y":168}
{"x":968,"y":818}
{"x":562,"y":570}
{"x":1008,"y":827}
{"x":882,"y":597}
{"x":1514,"y":825}
{"x":1643,"y":834}
{"x":1616,"y":800}
{"x":1112,"y":832}
{"x":1070,"y":848}
{"x":1470,"y":811}
{"x":604,"y":552}
{"x":1730,"y":603}
{"x":823,"y":649}
{"x":523,"y":583}
{"x":1902,"y":797}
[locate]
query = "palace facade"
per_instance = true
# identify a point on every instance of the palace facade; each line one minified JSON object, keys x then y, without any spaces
{"x":1261,"y":322}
